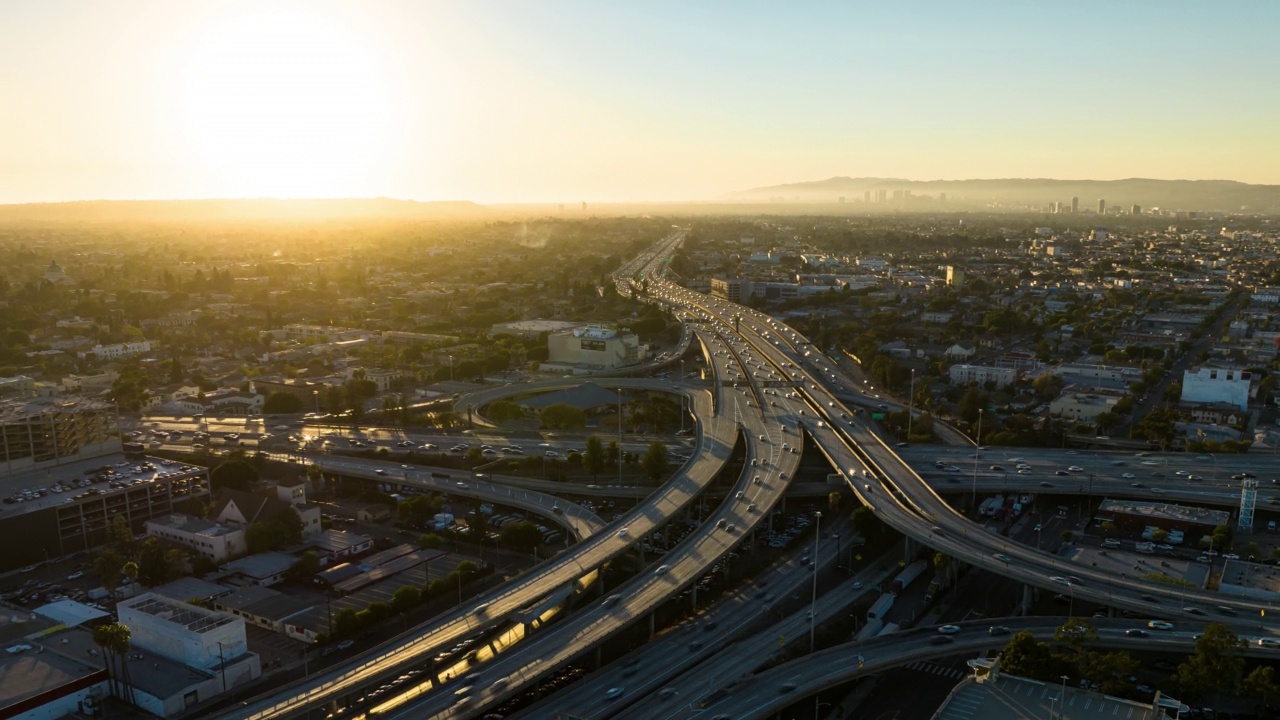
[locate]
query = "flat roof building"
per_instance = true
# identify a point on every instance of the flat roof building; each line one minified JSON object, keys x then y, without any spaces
{"x":1136,"y":514}
{"x":38,"y":433}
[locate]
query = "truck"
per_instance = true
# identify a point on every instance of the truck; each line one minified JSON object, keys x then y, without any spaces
{"x":870,"y":630}
{"x":1145,"y":548}
{"x":880,"y":607}
{"x":908,"y":574}
{"x":987,"y":507}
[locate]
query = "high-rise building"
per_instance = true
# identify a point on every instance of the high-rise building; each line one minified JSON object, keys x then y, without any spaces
{"x":1135,"y":210}
{"x":955,"y":277}
{"x":1102,"y":206}
{"x":866,"y":196}
{"x":942,"y":197}
{"x":1075,"y":204}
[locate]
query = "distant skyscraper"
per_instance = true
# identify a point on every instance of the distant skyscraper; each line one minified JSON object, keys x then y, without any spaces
{"x":1075,"y":204}
{"x":1102,"y":206}
{"x":1055,"y":207}
{"x":866,"y":196}
{"x":942,"y":197}
{"x":1135,"y":210}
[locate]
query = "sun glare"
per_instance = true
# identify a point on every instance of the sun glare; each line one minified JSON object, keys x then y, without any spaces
{"x":286,"y":105}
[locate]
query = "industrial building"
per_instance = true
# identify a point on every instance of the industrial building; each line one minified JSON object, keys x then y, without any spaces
{"x":1135,"y":515}
{"x":594,"y":347}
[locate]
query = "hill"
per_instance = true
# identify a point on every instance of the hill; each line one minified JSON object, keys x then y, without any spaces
{"x":1202,"y":195}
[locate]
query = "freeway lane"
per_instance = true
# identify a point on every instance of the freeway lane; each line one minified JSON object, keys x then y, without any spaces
{"x":906,"y":502}
{"x":761,"y":487}
{"x":715,"y":442}
{"x":686,"y":650}
{"x":765,"y":693}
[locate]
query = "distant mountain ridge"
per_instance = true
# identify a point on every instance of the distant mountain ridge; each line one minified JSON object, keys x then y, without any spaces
{"x":1204,"y":195}
{"x":257,"y":209}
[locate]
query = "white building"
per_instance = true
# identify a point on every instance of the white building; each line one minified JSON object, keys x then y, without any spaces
{"x":1215,"y":385}
{"x":212,"y":540}
{"x":121,"y":350}
{"x":594,"y":346}
{"x":185,"y":633}
{"x":1082,"y":406}
{"x":982,"y":374}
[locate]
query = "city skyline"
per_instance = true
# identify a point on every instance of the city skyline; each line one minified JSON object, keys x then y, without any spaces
{"x":571,"y":101}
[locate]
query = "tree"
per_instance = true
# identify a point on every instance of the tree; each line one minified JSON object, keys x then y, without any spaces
{"x":833,"y":500}
{"x":281,"y":531}
{"x":560,"y":416}
{"x":406,"y":598}
{"x":235,"y":474}
{"x":593,"y":457}
{"x":109,"y":566}
{"x":430,"y":541}
{"x":1075,"y":633}
{"x":114,"y":638}
{"x":417,"y":510}
{"x":974,"y":399}
{"x":119,"y":533}
{"x":308,"y":564}
{"x":1027,"y":657}
{"x":523,"y":536}
{"x":157,"y":564}
{"x":505,"y":411}
{"x":345,"y":622}
{"x":654,"y":462}
{"x":1111,"y":670}
{"x":1216,"y":664}
{"x":282,"y":403}
{"x":1261,"y":683}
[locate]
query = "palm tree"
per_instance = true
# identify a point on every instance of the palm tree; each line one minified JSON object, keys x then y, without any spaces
{"x":114,"y":638}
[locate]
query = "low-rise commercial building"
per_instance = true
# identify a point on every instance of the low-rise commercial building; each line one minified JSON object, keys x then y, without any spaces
{"x":212,"y":540}
{"x":595,"y":347}
{"x":982,"y":374}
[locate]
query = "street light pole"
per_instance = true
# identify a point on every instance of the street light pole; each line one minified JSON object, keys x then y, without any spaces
{"x":976,"y":444}
{"x":911,"y":403}
{"x":1062,"y":698}
{"x":813,"y":602}
{"x":619,"y":436}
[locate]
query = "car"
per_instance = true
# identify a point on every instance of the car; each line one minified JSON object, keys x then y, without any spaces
{"x":1136,"y":485}
{"x":1128,"y":476}
{"x":1159,"y":625}
{"x":1230,"y":556}
{"x":1193,"y":611}
{"x":1150,"y":598}
{"x":662,"y":570}
{"x":857,"y":584}
{"x":786,"y":688}
{"x":75,"y":575}
{"x":1002,"y":557}
{"x":941,"y":640}
{"x":614,"y":692}
{"x":1024,"y":471}
{"x":1268,"y":642}
{"x":952,"y":469}
{"x":380,"y":471}
{"x":1046,"y":484}
{"x":1075,"y":469}
{"x":997,"y":630}
{"x":1061,"y":473}
{"x":948,"y":629}
{"x":1135,"y":632}
{"x":1060,"y":580}
{"x":997,"y":468}
{"x":346,"y":644}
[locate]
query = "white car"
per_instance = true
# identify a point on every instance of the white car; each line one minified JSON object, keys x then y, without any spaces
{"x":1060,"y":580}
{"x":1159,"y":625}
{"x":1128,"y":476}
{"x":949,"y":629}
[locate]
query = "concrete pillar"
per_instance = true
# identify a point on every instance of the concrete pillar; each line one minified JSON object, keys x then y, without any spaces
{"x":695,"y":596}
{"x":653,"y":624}
{"x":1025,"y":606}
{"x":599,"y":657}
{"x":908,"y":550}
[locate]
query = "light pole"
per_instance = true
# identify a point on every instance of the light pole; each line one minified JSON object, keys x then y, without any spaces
{"x":813,"y":602}
{"x":450,"y":368}
{"x":911,"y":403}
{"x":619,"y":436}
{"x":976,"y":444}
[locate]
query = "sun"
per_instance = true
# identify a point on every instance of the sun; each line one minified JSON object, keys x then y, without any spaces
{"x":284,"y":103}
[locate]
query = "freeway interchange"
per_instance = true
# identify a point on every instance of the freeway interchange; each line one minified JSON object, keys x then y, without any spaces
{"x":769,"y":386}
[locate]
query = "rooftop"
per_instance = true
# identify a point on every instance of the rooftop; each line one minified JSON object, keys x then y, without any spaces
{"x":1007,"y":697}
{"x":1166,"y":511}
{"x":27,"y":674}
{"x":261,"y":565}
{"x":193,"y":618}
{"x":263,"y":602}
{"x":190,"y":588}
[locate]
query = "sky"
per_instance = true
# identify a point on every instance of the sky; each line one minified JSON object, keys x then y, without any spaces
{"x":568,"y":100}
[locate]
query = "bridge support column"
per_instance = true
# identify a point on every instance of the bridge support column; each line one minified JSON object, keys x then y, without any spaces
{"x":695,"y":596}
{"x":653,"y":623}
{"x":909,"y":549}
{"x":1025,"y":606}
{"x":599,"y":656}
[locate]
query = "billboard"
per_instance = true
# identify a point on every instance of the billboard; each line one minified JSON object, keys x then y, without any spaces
{"x":592,"y":345}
